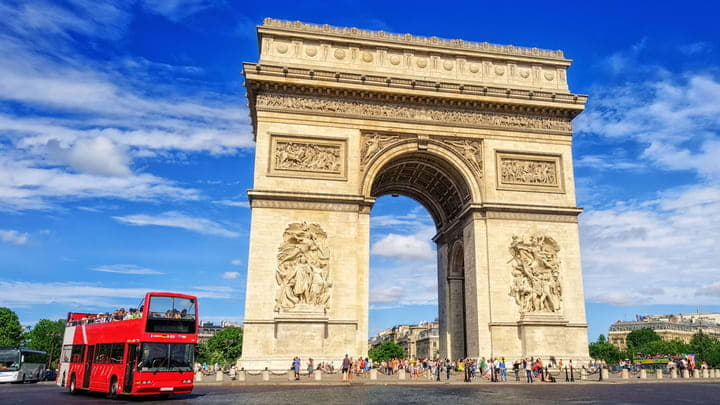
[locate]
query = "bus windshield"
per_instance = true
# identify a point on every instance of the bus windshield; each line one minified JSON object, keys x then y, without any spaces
{"x":166,"y":357}
{"x":9,"y":360}
{"x":172,"y":307}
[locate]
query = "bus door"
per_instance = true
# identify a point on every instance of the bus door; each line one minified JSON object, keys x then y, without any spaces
{"x":88,"y":365}
{"x":130,"y":367}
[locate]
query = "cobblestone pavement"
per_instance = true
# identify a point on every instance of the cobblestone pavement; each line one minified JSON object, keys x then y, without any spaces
{"x":600,"y":393}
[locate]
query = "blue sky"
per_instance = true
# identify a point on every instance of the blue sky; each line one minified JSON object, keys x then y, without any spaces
{"x":126,"y":151}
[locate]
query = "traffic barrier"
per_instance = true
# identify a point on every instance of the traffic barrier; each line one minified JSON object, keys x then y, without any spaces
{"x":373,"y":374}
{"x":643,"y":374}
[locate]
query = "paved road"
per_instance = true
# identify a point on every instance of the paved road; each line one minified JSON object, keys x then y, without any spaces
{"x":659,"y":393}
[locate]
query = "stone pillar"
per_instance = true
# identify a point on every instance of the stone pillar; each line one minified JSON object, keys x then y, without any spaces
{"x":219,"y":376}
{"x":643,"y":374}
{"x":241,"y":375}
{"x":705,"y":373}
{"x":266,"y":375}
{"x":604,"y":373}
{"x":686,"y":373}
{"x":318,"y":375}
{"x":198,"y":376}
{"x":624,"y":374}
{"x":716,"y":373}
{"x":696,"y":373}
{"x":659,"y":374}
{"x":583,"y":374}
{"x":401,"y":373}
{"x":373,"y":374}
{"x":673,"y":373}
{"x":291,"y":375}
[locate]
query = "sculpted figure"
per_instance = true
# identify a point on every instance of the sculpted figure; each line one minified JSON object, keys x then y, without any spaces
{"x":536,"y":273}
{"x":302,"y":273}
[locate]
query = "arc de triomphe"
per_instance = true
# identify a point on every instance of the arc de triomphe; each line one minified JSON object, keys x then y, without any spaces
{"x":479,"y":134}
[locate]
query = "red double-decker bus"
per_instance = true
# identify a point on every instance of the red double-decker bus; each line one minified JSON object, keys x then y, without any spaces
{"x":146,"y":351}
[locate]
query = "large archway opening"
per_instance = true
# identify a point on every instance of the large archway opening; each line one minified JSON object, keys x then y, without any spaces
{"x":413,"y":275}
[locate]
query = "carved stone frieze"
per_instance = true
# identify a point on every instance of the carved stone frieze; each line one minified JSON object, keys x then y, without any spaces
{"x":536,"y":273}
{"x":318,"y":157}
{"x":529,"y":172}
{"x":471,"y":151}
{"x":303,"y":269}
{"x":404,"y":112}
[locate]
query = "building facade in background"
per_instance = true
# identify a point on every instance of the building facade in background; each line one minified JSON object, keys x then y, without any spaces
{"x":209,"y":329}
{"x":669,"y":327}
{"x":412,"y":338}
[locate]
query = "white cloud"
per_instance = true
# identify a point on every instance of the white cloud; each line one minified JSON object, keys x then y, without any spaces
{"x":694,"y":48}
{"x":413,"y":247}
{"x":18,"y":293}
{"x":177,"y":220}
{"x":231,"y":275}
{"x":236,"y":262}
{"x":176,"y":10}
{"x":95,"y":156}
{"x":126,"y":269}
{"x":231,"y":203}
{"x":13,"y":236}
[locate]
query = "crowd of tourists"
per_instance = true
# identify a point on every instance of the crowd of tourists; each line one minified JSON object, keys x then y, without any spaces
{"x":529,"y":369}
{"x":117,"y":315}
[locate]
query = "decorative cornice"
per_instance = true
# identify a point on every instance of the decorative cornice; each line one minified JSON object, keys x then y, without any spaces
{"x":409,"y":39}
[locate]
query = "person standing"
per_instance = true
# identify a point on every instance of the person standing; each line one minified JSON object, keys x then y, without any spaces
{"x":310,"y":368}
{"x":448,"y":365}
{"x":346,"y":367}
{"x":296,"y":367}
{"x":528,"y":370}
{"x":516,"y":370}
{"x":503,"y":370}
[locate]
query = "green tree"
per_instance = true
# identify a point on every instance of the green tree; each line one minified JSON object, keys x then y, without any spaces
{"x":664,"y":347}
{"x":601,"y":339}
{"x":605,"y":351}
{"x":702,"y":345}
{"x":11,"y":332}
{"x":387,"y":350}
{"x":223,"y":348}
{"x":638,"y":338}
{"x":47,"y":336}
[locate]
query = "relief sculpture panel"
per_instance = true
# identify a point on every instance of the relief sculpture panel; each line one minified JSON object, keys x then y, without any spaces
{"x":303,"y":270}
{"x":536,"y":273}
{"x":317,"y":158}
{"x":529,"y":172}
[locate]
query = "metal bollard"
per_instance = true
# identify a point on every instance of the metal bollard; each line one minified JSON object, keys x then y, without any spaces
{"x":659,"y":374}
{"x":219,"y":376}
{"x":401,"y":373}
{"x":624,"y":374}
{"x":318,"y":375}
{"x":373,"y":374}
{"x":643,"y":374}
{"x":265,"y":375}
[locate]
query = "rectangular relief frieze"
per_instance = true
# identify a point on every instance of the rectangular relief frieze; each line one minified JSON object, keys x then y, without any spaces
{"x":307,"y":157}
{"x":529,"y":172}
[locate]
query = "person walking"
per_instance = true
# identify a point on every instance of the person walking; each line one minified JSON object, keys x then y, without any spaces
{"x":448,"y":365}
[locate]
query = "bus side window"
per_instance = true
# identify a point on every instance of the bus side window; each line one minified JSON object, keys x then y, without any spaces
{"x":102,"y":354}
{"x":116,"y":353}
{"x":77,"y":353}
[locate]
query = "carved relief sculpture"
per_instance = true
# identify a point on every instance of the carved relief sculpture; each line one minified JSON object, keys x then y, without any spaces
{"x":520,"y":171}
{"x":303,"y":273}
{"x":307,"y":157}
{"x":536,"y":273}
{"x":372,"y":144}
{"x":471,"y":151}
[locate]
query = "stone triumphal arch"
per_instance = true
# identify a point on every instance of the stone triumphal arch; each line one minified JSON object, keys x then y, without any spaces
{"x":479,"y":134}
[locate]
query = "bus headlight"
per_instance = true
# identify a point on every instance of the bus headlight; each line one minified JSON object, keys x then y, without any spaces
{"x":186,"y":381}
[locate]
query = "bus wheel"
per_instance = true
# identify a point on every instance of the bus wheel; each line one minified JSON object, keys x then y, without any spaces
{"x":113,"y":393}
{"x":72,"y":388}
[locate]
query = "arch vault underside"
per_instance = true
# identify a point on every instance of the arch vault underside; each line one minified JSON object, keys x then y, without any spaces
{"x":479,"y":134}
